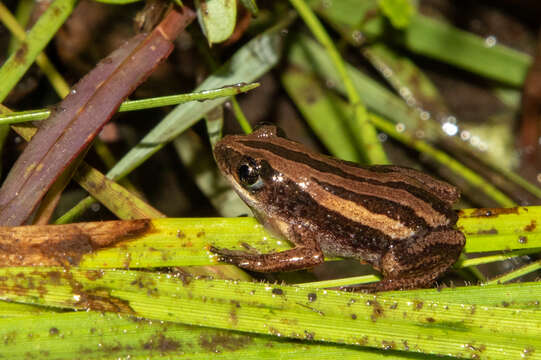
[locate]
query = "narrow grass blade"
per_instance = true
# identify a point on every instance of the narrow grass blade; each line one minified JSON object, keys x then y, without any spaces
{"x":465,"y":262}
{"x":524,"y":270}
{"x":22,"y":15}
{"x":16,"y":117}
{"x":514,"y":296}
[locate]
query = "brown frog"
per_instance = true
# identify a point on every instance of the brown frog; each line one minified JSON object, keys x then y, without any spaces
{"x":397,"y":219}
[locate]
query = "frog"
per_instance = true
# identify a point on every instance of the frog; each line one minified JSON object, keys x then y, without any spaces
{"x":397,"y":219}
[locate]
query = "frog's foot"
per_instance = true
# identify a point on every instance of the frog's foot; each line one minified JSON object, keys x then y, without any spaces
{"x":289,"y":260}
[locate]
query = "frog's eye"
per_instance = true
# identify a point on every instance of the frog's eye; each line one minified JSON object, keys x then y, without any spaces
{"x":249,"y":175}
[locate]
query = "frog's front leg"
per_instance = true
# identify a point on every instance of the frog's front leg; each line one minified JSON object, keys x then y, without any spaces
{"x":305,"y":255}
{"x":418,"y":262}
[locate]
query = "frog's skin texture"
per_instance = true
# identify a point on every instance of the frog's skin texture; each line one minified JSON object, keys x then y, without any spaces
{"x":397,"y":219}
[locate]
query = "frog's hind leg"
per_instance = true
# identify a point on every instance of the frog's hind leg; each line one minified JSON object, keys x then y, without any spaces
{"x":417,"y":263}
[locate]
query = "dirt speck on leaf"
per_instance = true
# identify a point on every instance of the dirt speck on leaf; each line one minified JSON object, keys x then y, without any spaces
{"x":531,"y":226}
{"x":162,"y":343}
{"x":216,"y":343}
{"x":277,"y":291}
{"x":21,"y":53}
{"x":377,"y":310}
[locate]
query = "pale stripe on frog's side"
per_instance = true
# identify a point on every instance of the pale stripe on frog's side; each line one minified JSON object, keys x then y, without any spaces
{"x":397,"y":219}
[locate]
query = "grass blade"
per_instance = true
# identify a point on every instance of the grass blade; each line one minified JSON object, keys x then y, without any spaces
{"x":133,"y":105}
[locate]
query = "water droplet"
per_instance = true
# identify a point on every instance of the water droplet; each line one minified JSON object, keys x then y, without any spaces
{"x":425,"y":115}
{"x":490,"y":41}
{"x":450,"y":128}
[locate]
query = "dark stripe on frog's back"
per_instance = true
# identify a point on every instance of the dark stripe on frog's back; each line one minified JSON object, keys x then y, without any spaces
{"x":330,"y":228}
{"x":327,"y":166}
{"x":441,"y":189}
{"x":377,"y":205}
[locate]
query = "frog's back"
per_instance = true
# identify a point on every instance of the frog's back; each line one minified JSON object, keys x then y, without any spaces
{"x":379,"y":189}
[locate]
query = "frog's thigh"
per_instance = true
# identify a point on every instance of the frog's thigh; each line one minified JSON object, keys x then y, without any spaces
{"x":423,"y":259}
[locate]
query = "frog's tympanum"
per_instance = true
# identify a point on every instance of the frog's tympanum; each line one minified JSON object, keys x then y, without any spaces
{"x":397,"y":219}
